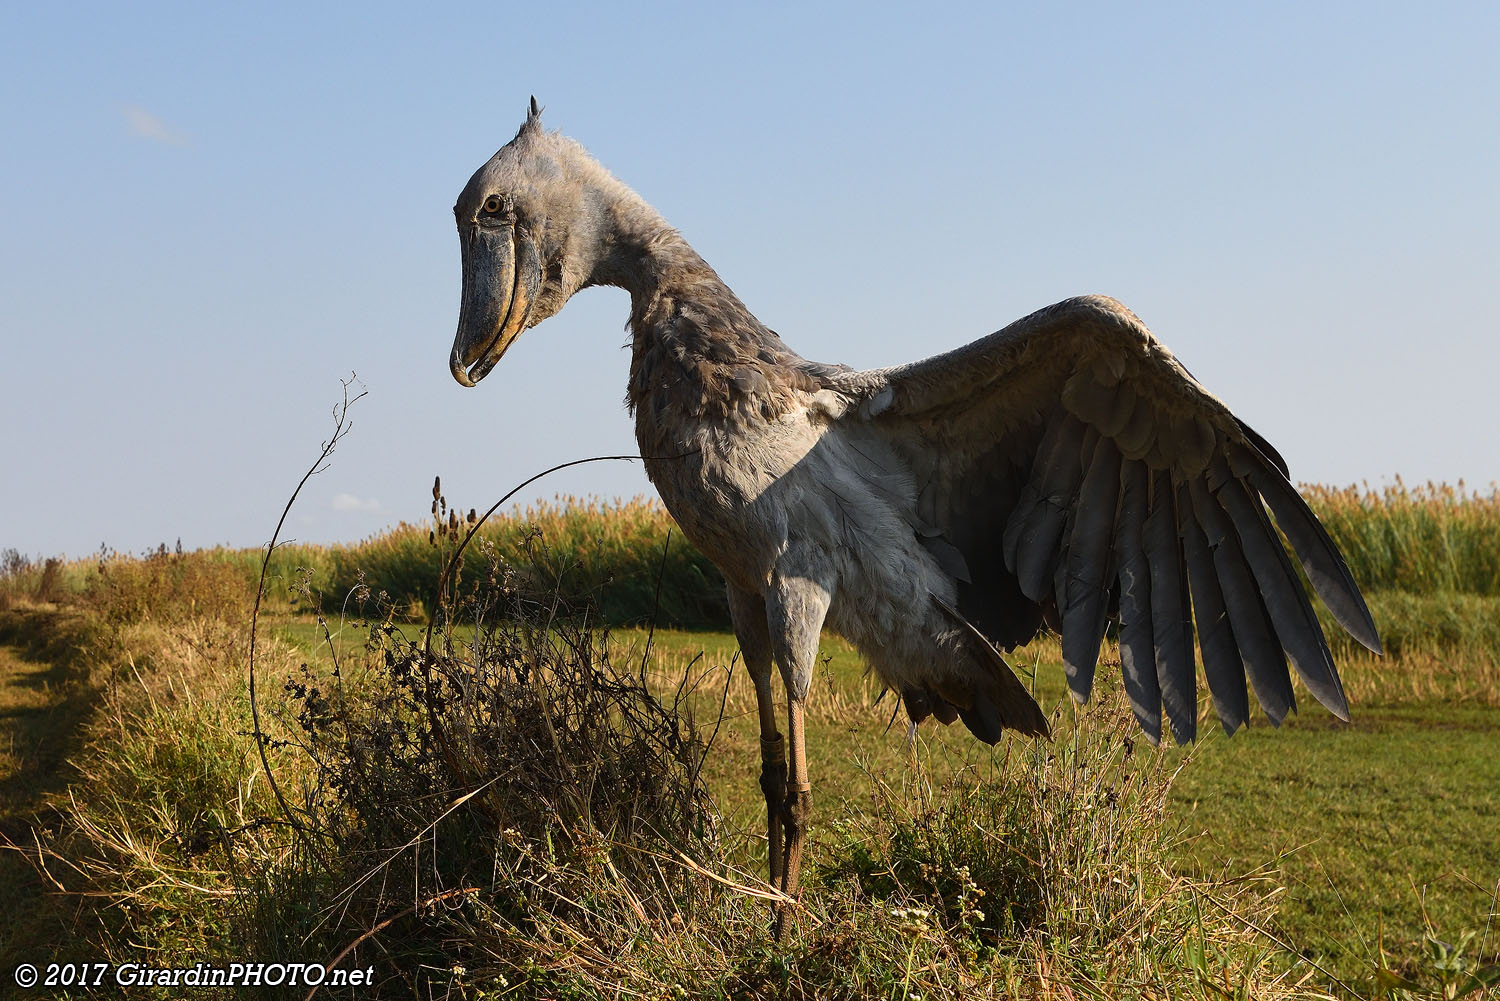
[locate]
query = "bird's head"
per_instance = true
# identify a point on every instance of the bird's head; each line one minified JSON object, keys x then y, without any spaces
{"x":531,"y":225}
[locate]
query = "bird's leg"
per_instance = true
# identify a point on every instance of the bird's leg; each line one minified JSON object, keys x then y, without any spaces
{"x":772,"y":783}
{"x":797,"y":809}
{"x":795,"y":607}
{"x":748,"y":613}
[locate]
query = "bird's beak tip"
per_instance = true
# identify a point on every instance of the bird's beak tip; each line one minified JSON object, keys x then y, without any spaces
{"x":460,"y":374}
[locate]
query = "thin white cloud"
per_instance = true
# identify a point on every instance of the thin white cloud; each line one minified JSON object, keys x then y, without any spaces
{"x":144,"y":124}
{"x":349,"y":502}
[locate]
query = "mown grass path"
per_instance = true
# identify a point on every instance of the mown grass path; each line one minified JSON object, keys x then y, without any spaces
{"x":45,"y":697}
{"x":28,"y":762}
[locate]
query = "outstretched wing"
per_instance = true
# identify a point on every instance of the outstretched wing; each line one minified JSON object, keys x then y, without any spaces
{"x":1070,"y":468}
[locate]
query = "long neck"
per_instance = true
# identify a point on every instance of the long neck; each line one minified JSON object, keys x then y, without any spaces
{"x":642,"y":254}
{"x":697,"y":352}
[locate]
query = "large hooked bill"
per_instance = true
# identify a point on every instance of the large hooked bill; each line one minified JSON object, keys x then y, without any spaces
{"x":502,"y":275}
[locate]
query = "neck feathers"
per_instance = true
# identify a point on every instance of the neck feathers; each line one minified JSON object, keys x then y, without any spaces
{"x":698,"y":353}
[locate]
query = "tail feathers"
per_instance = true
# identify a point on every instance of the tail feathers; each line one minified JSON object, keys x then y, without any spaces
{"x":921,"y":703}
{"x":988,"y":701}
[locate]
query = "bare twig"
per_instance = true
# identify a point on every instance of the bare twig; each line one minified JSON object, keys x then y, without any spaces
{"x":450,"y":567}
{"x":341,"y":427}
{"x":723,"y":703}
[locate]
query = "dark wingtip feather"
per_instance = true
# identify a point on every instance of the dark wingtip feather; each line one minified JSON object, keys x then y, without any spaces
{"x":1291,"y":614}
{"x":1137,"y":654}
{"x":1084,"y":591}
{"x":1170,"y":622}
{"x":1264,"y":448}
{"x":1255,"y":636}
{"x":1326,"y":568}
{"x":1222,"y":665}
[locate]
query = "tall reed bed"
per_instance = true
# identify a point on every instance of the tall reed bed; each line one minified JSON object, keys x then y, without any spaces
{"x":154,"y":580}
{"x":1428,"y":539}
{"x":1436,"y":539}
{"x":628,"y":554}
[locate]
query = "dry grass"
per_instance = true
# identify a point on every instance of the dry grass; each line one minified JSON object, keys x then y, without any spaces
{"x":162,"y":807}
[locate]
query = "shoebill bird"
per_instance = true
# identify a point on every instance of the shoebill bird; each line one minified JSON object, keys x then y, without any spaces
{"x":1066,"y":470}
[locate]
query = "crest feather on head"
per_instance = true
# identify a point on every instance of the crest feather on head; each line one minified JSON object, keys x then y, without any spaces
{"x":533,"y":123}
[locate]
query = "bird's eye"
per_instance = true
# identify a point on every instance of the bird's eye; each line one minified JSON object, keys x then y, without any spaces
{"x":494,"y":204}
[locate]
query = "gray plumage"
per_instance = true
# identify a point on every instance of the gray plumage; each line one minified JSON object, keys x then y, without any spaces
{"x":935,"y":513}
{"x":1264,"y":661}
{"x":1222,"y":665}
{"x":1171,"y":637}
{"x":1137,"y":646}
{"x":1090,"y":566}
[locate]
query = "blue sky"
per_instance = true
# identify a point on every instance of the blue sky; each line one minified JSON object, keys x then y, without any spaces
{"x":208,"y":216}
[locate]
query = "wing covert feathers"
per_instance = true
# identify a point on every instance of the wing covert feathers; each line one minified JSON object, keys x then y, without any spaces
{"x":1135,"y":489}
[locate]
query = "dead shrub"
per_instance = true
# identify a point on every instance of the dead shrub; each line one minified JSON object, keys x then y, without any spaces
{"x":564,"y":795}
